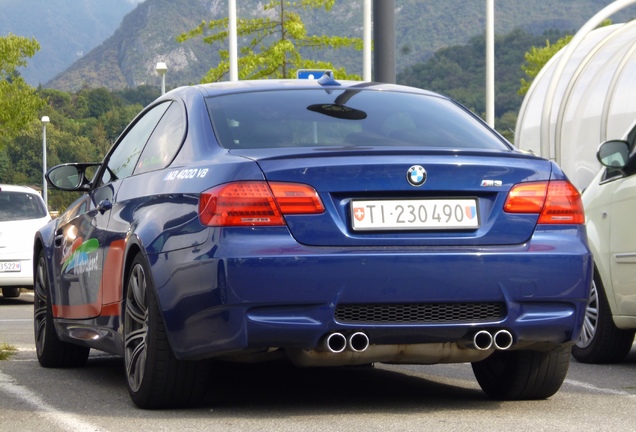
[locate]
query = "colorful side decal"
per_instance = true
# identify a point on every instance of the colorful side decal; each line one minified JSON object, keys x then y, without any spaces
{"x":79,"y":259}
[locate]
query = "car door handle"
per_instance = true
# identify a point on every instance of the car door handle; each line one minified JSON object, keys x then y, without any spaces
{"x":104,"y":205}
{"x":59,"y":236}
{"x":625,"y":258}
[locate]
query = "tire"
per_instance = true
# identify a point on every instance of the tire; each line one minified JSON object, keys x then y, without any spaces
{"x":601,"y":342}
{"x":51,"y":351}
{"x":155,"y":378}
{"x":8,"y":292}
{"x":522,"y":375}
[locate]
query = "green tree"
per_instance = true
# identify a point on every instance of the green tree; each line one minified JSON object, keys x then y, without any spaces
{"x":460,"y":72}
{"x":19,"y":102}
{"x":272,"y":42}
{"x":83,"y":127}
{"x":536,"y":58}
{"x":99,"y":101}
{"x":143,"y":94}
{"x":21,"y":159}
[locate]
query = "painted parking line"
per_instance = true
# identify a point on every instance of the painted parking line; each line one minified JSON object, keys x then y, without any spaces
{"x":602,"y":390}
{"x":64,"y":420}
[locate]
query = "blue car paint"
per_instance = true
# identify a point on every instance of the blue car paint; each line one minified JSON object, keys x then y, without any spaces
{"x":225,"y":290}
{"x":336,"y":174}
{"x":271,"y":291}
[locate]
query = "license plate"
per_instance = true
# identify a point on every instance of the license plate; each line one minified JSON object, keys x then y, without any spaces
{"x":414,"y":214}
{"x":10,"y":267}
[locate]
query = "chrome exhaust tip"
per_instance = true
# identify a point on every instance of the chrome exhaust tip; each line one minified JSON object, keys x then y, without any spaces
{"x":335,"y":342}
{"x":503,"y":340}
{"x":482,"y":340}
{"x":358,"y":342}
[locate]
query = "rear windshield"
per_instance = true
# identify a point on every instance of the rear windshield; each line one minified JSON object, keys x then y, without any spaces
{"x":16,"y":206}
{"x":351,"y":117}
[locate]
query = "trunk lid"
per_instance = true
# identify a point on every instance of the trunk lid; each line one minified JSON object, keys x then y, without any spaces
{"x":350,"y":180}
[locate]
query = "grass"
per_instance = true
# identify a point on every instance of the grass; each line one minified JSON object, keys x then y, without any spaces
{"x":7,"y":351}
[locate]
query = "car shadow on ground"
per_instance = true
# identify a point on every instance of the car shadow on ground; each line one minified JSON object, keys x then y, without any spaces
{"x":266,"y":388}
{"x":629,"y":360}
{"x":26,"y":297}
{"x":631,"y":357}
{"x":337,"y":388}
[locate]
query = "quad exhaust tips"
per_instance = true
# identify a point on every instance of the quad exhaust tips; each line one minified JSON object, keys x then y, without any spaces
{"x":358,"y":342}
{"x":485,"y":340}
{"x":337,"y":342}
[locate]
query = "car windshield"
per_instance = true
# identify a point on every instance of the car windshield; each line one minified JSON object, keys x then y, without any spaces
{"x":15,"y":206}
{"x":351,"y":117}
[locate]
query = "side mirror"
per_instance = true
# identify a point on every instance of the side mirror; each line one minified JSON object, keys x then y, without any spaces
{"x":613,"y":154}
{"x":70,"y":177}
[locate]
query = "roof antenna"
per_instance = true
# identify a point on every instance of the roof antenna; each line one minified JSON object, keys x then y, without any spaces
{"x":327,"y":79}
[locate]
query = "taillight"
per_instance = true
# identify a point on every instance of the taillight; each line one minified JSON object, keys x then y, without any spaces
{"x":556,"y":202}
{"x":256,"y":203}
{"x":294,"y":198}
{"x":526,"y":198}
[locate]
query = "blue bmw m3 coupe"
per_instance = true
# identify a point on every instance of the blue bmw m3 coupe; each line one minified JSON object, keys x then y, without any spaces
{"x":324,"y":222}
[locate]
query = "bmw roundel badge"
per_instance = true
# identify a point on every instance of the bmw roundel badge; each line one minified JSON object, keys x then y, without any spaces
{"x":416,"y":175}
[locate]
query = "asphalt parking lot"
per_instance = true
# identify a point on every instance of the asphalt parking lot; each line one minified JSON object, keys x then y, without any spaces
{"x":279,"y":397}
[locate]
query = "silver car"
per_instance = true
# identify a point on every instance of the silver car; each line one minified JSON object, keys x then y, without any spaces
{"x":610,"y":207}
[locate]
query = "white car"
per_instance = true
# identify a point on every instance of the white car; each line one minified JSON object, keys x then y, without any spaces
{"x":22,"y":213}
{"x":610,"y":210}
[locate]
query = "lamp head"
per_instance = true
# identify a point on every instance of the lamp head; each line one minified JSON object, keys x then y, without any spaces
{"x":161,"y":68}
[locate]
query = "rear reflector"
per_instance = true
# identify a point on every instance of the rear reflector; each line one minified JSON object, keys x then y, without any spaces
{"x":556,"y":202}
{"x":526,"y":198}
{"x":256,"y":203}
{"x":293,"y":198}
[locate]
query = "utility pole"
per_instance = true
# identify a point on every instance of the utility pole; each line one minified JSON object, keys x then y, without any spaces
{"x":384,"y":41}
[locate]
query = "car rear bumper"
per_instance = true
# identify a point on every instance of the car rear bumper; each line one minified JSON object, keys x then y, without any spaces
{"x":21,"y":279}
{"x":285,"y":295}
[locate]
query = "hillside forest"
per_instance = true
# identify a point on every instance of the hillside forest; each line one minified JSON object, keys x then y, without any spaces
{"x":84,"y":124}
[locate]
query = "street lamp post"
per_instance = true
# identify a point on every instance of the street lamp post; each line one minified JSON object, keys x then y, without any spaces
{"x":366,"y":38}
{"x":45,"y":120}
{"x":162,"y":68}
{"x":233,"y":40}
{"x":490,"y":63}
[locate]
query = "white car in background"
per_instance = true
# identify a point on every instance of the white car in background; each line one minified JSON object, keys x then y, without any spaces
{"x":22,"y":213}
{"x":610,"y":211}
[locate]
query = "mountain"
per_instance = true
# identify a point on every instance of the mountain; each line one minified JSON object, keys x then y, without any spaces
{"x":66,"y":30}
{"x":147,"y":35}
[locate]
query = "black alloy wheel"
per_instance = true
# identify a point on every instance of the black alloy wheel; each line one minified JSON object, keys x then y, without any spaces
{"x":155,"y":377}
{"x":50,"y":350}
